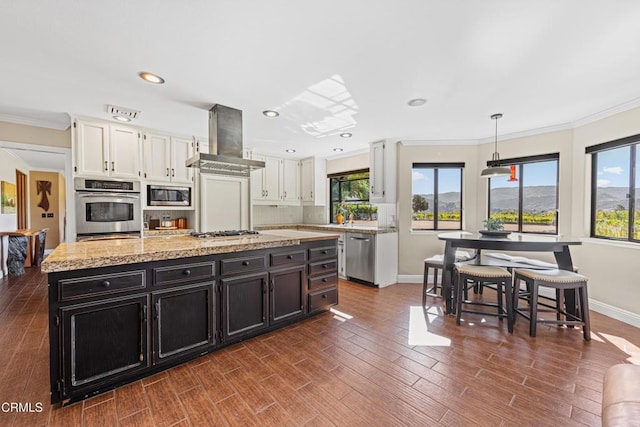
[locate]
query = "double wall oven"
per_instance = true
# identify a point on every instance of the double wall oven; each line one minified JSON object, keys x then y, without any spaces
{"x":107,"y":208}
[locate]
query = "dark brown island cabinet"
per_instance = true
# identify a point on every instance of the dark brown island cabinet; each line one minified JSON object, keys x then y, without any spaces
{"x":112,"y":325}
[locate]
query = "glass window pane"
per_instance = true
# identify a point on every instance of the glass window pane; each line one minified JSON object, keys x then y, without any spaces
{"x":539,"y":197}
{"x":636,"y":219}
{"x":611,"y":195}
{"x":422,"y":202}
{"x":503,"y":199}
{"x":449,"y":199}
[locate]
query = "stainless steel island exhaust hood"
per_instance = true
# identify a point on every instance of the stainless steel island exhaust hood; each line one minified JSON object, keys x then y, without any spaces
{"x":225,"y":146}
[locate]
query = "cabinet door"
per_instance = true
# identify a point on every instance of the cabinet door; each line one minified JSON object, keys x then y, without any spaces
{"x":272,"y":181}
{"x":183,"y":320}
{"x":181,"y":150}
{"x":92,"y":148}
{"x":156,"y":157}
{"x":287,"y":297}
{"x":124,"y":152}
{"x":376,"y":172}
{"x":244,"y":305}
{"x":103,"y":341}
{"x":257,"y":178}
{"x":291,"y":181}
{"x":306,"y":180}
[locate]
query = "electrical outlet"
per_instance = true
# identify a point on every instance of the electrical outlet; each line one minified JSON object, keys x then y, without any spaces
{"x":44,"y":215}
{"x":50,"y":215}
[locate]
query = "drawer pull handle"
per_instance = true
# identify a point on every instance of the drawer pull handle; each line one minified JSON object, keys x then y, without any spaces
{"x":325,"y":280}
{"x":324,"y":266}
{"x":245,"y":263}
{"x":324,"y":295}
{"x":186,"y":272}
{"x":289,"y":256}
{"x":324,"y":252}
{"x":105,"y":283}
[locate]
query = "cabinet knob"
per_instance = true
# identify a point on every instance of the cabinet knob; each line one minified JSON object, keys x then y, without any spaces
{"x":324,"y":296}
{"x":289,"y":256}
{"x":105,"y":283}
{"x":186,"y":272}
{"x":324,"y":280}
{"x":324,"y":252}
{"x":245,"y":263}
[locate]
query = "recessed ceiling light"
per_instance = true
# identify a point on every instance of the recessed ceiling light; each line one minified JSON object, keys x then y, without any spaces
{"x":416,"y":102}
{"x":122,"y":118}
{"x":270,"y":113}
{"x":337,"y":150}
{"x":151,"y":78}
{"x":290,"y":150}
{"x":346,"y":135}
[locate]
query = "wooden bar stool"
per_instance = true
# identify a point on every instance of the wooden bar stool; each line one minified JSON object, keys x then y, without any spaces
{"x":557,"y":279}
{"x":482,"y":275}
{"x":434,"y":263}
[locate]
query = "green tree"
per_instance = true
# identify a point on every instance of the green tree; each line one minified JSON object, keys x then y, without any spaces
{"x":419,"y":203}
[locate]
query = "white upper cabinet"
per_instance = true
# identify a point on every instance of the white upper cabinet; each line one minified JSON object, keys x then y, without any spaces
{"x":165,"y":158}
{"x":104,"y":149}
{"x":181,"y":151}
{"x":382,"y":172}
{"x":277,"y":183}
{"x":291,"y":181}
{"x":313,"y":181}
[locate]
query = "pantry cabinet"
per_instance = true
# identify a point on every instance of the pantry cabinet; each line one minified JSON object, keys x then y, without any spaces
{"x":313,"y":179}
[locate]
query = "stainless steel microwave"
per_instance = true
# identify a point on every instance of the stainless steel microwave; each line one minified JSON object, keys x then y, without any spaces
{"x":166,"y":195}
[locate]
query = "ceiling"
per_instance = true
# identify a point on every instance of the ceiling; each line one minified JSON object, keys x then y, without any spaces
{"x":39,"y":160}
{"x":326,"y":66}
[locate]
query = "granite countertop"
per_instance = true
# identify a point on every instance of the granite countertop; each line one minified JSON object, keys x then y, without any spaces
{"x":174,"y":232}
{"x":366,"y":229}
{"x":91,"y":254}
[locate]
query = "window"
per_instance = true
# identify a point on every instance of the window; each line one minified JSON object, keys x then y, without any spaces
{"x":350,"y":194}
{"x":527,"y":201}
{"x":436,"y":196}
{"x":614,"y":189}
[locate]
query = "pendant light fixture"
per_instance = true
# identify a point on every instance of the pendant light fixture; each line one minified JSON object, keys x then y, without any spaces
{"x":495,"y":169}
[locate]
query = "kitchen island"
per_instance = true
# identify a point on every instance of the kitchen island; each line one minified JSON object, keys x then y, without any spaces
{"x":121,"y":310}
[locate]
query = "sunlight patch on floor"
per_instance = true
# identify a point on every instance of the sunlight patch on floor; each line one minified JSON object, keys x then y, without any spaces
{"x":419,"y":330}
{"x":623,"y":344}
{"x":340,"y":315}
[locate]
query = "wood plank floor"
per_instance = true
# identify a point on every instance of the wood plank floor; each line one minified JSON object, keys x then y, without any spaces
{"x":377,"y":361}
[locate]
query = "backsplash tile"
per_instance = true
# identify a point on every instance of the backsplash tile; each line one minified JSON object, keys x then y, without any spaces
{"x":275,"y":215}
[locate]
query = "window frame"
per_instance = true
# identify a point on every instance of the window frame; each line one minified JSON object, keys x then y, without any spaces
{"x":520,"y":162}
{"x":341,"y":174}
{"x":435,"y":167}
{"x":632,"y":142}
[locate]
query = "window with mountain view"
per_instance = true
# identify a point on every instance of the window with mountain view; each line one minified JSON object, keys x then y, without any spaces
{"x":436,"y":196}
{"x":527,"y":201}
{"x":614,"y":189}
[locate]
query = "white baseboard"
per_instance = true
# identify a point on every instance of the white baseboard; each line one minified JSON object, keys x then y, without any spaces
{"x":615,"y":312}
{"x":597,"y":306}
{"x":412,"y":278}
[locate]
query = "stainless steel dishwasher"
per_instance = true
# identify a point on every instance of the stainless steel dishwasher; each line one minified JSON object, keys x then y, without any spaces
{"x":361,"y":256}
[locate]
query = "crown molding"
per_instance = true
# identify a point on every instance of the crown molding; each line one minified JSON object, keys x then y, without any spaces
{"x":439,"y":142}
{"x":42,"y":123}
{"x":526,"y":133}
{"x":634,"y":103}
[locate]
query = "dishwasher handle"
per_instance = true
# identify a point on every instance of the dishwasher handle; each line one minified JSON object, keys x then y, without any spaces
{"x":366,"y":239}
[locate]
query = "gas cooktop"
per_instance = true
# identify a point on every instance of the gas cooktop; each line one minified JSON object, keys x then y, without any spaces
{"x":225,"y":233}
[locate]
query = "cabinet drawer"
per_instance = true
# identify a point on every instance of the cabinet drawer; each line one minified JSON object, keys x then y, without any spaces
{"x":322,"y":299}
{"x":323,"y":252}
{"x":327,"y":280}
{"x":323,"y":267}
{"x":243,"y":265}
{"x":182,"y":273}
{"x":104,"y":284}
{"x":288,"y":258}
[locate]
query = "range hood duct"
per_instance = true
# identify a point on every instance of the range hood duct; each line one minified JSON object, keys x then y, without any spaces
{"x":225,"y":146}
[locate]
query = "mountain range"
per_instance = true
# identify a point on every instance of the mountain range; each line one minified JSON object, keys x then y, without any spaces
{"x":540,"y":198}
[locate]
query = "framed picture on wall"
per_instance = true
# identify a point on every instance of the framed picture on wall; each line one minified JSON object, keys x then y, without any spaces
{"x":9,"y":199}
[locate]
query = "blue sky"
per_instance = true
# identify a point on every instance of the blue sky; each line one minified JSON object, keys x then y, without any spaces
{"x":613,"y":167}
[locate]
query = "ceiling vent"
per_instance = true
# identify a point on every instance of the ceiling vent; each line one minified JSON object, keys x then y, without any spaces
{"x":123,"y":112}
